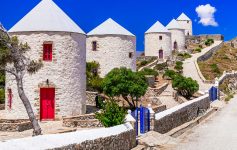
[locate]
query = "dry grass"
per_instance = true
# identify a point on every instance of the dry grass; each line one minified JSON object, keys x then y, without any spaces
{"x":224,"y":60}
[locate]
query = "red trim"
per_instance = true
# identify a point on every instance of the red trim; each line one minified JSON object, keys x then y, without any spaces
{"x":48,"y":52}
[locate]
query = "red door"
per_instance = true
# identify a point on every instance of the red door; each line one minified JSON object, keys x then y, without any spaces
{"x":47,"y":103}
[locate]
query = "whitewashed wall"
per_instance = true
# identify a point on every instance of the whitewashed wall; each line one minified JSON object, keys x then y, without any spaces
{"x":178,"y":35}
{"x":112,"y":52}
{"x":153,"y":44}
{"x":188,"y":26}
{"x":66,"y":73}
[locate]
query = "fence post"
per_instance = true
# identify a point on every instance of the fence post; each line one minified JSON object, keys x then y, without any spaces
{"x":152,"y":117}
{"x":129,"y":118}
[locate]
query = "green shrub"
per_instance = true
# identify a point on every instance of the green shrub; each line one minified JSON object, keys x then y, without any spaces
{"x":208,"y":42}
{"x":229,"y":97}
{"x":2,"y":96}
{"x":147,"y":71}
{"x":143,"y":63}
{"x":215,"y":68}
{"x":170,"y":73}
{"x":179,"y":66}
{"x":198,"y":50}
{"x":111,"y":115}
{"x":185,"y":55}
{"x":185,"y":86}
{"x":161,"y":66}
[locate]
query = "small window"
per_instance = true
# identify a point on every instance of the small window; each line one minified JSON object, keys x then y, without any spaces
{"x":130,"y":55}
{"x":9,"y":94}
{"x":94,"y":46}
{"x":187,"y":21}
{"x":47,"y":52}
{"x":160,"y":37}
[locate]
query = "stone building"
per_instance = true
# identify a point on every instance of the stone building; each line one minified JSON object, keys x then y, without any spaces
{"x":186,"y":23}
{"x":177,"y":36}
{"x":158,"y":41}
{"x":112,"y":46}
{"x":59,"y":88}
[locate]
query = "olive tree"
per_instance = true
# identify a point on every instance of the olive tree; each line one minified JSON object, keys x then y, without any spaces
{"x":126,"y":83}
{"x":14,"y":61}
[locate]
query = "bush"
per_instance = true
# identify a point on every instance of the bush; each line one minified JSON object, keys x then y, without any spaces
{"x":147,"y":71}
{"x":2,"y":96}
{"x":143,"y":63}
{"x":161,"y":66}
{"x":111,"y":115}
{"x":208,"y":42}
{"x":179,"y":66}
{"x":198,"y":50}
{"x":170,"y":73}
{"x":215,"y":68}
{"x":185,"y":86}
{"x":185,"y":55}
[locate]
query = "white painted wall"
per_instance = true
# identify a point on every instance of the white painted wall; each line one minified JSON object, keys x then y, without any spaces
{"x":187,"y":25}
{"x":153,"y":44}
{"x":66,"y":72}
{"x":112,"y":52}
{"x":178,"y":35}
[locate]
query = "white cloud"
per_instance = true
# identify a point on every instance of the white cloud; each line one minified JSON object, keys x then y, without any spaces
{"x":206,"y":15}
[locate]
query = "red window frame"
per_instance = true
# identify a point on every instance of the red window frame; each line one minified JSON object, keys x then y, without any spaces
{"x":48,"y":52}
{"x":9,"y":98}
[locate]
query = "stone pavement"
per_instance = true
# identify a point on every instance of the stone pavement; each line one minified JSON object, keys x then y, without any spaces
{"x":217,"y":133}
{"x":190,"y":70}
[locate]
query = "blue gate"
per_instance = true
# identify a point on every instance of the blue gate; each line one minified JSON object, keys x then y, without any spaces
{"x":142,"y":114}
{"x":213,"y":93}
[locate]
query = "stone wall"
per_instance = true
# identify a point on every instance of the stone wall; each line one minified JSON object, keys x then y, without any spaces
{"x":2,"y":106}
{"x":209,"y":54}
{"x":178,"y":115}
{"x":155,"y":92}
{"x":90,"y":98}
{"x":122,"y":137}
{"x":14,"y":125}
{"x":197,"y":39}
{"x":146,"y":58}
{"x":160,"y":108}
{"x":82,"y":121}
{"x":151,"y":80}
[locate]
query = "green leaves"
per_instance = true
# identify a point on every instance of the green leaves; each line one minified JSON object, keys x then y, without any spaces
{"x":123,"y":82}
{"x":111,"y":114}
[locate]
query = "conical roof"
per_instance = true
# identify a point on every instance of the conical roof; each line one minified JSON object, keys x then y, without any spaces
{"x":173,"y":25}
{"x":183,"y":17}
{"x":157,"y":28}
{"x":110,"y":27}
{"x":46,"y":16}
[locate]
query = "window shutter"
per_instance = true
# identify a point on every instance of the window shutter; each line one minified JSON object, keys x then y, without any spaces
{"x":47,"y":52}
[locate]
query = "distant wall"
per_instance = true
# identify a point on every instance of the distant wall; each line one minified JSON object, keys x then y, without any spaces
{"x":122,"y":137}
{"x":197,"y":39}
{"x":178,"y":115}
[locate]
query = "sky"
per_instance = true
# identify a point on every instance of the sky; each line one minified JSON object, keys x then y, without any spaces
{"x":208,"y":16}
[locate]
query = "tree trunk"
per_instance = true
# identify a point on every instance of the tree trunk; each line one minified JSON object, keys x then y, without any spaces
{"x":29,"y":110}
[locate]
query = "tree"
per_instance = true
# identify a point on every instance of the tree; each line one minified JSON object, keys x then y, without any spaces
{"x":123,"y":82}
{"x":111,"y":114}
{"x":179,"y":66}
{"x":14,"y":62}
{"x":93,"y":80}
{"x":148,"y":71}
{"x":185,"y":86}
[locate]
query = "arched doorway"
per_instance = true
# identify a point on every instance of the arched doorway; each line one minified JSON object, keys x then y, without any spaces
{"x":175,"y":46}
{"x":161,"y":54}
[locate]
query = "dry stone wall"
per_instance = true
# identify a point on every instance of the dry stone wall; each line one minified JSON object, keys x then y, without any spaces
{"x":178,"y":115}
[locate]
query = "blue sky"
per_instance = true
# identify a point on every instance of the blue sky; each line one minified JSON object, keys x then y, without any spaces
{"x":135,"y":15}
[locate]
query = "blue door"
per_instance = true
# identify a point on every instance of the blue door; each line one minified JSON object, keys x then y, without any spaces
{"x":213,"y":93}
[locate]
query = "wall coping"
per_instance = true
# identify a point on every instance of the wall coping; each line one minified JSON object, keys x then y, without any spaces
{"x":64,"y":139}
{"x":167,"y":112}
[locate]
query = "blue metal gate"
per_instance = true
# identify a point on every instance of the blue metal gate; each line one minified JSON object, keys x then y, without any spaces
{"x":142,"y":114}
{"x":213,"y":93}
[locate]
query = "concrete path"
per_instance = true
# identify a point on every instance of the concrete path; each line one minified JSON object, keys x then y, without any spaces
{"x":217,"y":133}
{"x":190,"y":69}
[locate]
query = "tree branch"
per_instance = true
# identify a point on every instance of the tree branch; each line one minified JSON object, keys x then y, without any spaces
{"x":9,"y":70}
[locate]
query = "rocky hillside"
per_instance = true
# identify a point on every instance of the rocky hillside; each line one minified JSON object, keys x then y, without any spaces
{"x":224,"y":60}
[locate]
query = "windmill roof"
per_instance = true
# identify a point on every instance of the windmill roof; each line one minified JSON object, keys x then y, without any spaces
{"x":157,"y":28}
{"x":183,"y":16}
{"x":110,"y":27}
{"x":173,"y":25}
{"x":46,"y":16}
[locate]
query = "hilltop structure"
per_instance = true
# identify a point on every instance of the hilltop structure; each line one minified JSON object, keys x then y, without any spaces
{"x":186,"y":23}
{"x":158,"y":41}
{"x":59,"y":88}
{"x":112,"y":46}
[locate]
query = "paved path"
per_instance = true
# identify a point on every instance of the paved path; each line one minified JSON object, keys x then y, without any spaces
{"x":217,"y":133}
{"x":190,"y":69}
